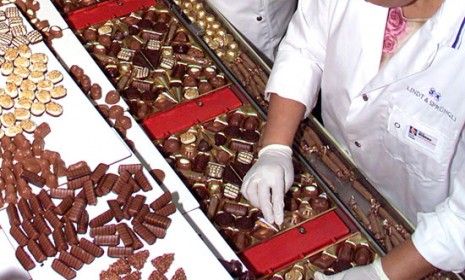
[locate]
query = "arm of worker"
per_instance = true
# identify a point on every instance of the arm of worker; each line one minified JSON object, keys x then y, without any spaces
{"x":292,"y":89}
{"x":438,"y":240}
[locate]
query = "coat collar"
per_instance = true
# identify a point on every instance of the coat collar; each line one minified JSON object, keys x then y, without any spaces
{"x":418,"y":52}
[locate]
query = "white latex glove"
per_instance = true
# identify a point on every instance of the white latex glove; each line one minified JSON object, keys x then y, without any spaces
{"x":372,"y":271}
{"x":268,"y":180}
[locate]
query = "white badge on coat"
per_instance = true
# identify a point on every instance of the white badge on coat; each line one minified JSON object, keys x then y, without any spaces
{"x":416,"y":134}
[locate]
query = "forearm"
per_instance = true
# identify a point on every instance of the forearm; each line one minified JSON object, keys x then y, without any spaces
{"x":405,"y":262}
{"x":284,"y":116}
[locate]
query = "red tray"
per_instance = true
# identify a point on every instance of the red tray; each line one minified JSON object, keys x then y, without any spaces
{"x":163,"y":124}
{"x":104,"y":11}
{"x":284,"y":249}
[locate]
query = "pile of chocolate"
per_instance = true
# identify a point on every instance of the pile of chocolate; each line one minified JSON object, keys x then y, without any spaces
{"x":152,"y":60}
{"x":214,"y":157}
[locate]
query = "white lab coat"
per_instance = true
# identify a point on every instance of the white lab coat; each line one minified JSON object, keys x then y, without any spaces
{"x":263,"y":22}
{"x":337,"y":45}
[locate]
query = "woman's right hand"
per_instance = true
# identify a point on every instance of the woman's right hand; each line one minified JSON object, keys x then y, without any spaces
{"x":268,"y":180}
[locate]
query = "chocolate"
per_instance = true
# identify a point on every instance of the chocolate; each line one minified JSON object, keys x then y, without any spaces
{"x":70,"y":260}
{"x":251,"y":123}
{"x":18,"y":235}
{"x":136,"y":205}
{"x":161,"y":201}
{"x":123,"y":233}
{"x":112,"y":97}
{"x":144,"y":233}
{"x":242,"y":240}
{"x":81,"y":254}
{"x":63,"y":269}
{"x":61,"y":193}
{"x":90,"y":247}
{"x":59,"y":240}
{"x":106,"y":184}
{"x":29,"y":229}
{"x":319,"y":204}
{"x":33,"y":178}
{"x":64,"y":206}
{"x":89,"y":193}
{"x":136,"y":243}
{"x":124,"y":194}
{"x":116,"y":209}
{"x":159,"y":232}
{"x":40,"y":225}
{"x":245,"y":223}
{"x":95,"y":92}
{"x":24,"y":209}
{"x":83,"y":223}
{"x":24,"y":259}
{"x":235,"y":209}
{"x":157,"y":220}
{"x":341,"y":265}
{"x":36,"y":207}
{"x":119,"y":252}
{"x":103,"y":230}
{"x":203,"y":146}
{"x":52,"y":218}
{"x":106,"y":240}
{"x":162,"y":263}
{"x":70,"y":232}
{"x":223,"y":219}
{"x":345,"y":252}
{"x":35,"y":250}
{"x":46,"y":245}
{"x":74,"y":214}
{"x":167,"y":210}
{"x":142,"y":181}
{"x":363,"y":255}
{"x":12,"y":215}
{"x":77,"y":170}
{"x":101,"y":219}
{"x":324,"y":261}
{"x":263,"y":233}
{"x":115,"y":112}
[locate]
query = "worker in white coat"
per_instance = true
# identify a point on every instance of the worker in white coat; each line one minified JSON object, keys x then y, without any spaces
{"x":392,"y":78}
{"x":263,"y":22}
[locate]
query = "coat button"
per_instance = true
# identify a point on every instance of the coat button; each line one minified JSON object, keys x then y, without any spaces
{"x":357,"y":144}
{"x":365,"y":97}
{"x":259,"y":18}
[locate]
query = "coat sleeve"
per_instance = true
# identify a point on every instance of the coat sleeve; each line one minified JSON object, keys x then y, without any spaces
{"x":299,"y":64}
{"x":440,"y":235}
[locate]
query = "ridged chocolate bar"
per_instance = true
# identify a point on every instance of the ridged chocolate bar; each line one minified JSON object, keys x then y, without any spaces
{"x":70,"y":260}
{"x":166,"y":210}
{"x":36,"y":251}
{"x":64,"y":205}
{"x":161,"y":201}
{"x":103,"y":230}
{"x":123,"y":233}
{"x":89,"y":192}
{"x":46,"y":245}
{"x":18,"y":235}
{"x":74,"y":214}
{"x":119,"y":252}
{"x":157,"y":220}
{"x":81,"y":254}
{"x":101,"y":219}
{"x":53,"y":219}
{"x":59,"y":239}
{"x":142,"y":181}
{"x":45,"y":200}
{"x":116,"y":209}
{"x":63,"y":269}
{"x":83,"y":223}
{"x":90,"y":247}
{"x":144,"y":233}
{"x":106,"y":240}
{"x":24,"y":259}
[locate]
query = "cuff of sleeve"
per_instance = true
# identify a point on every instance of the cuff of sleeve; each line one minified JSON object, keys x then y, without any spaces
{"x":436,"y":236}
{"x":295,"y":77}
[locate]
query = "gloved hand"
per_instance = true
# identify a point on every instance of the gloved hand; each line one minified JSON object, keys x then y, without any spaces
{"x":372,"y":271}
{"x":268,"y":180}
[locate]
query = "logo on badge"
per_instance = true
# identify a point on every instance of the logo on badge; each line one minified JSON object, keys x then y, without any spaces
{"x":435,"y":94}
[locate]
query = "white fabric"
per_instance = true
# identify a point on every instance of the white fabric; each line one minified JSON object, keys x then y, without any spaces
{"x":372,"y":271}
{"x":266,"y":33}
{"x":405,"y":135}
{"x":268,"y":180}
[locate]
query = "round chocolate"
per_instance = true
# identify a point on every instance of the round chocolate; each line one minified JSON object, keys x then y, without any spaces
{"x":112,"y":97}
{"x":310,"y":192}
{"x":189,"y":81}
{"x":232,"y":131}
{"x":217,"y":81}
{"x":245,"y":223}
{"x":85,"y":83}
{"x":103,"y":109}
{"x":205,"y":87}
{"x":76,"y":71}
{"x":363,"y":255}
{"x":131,"y":20}
{"x":341,"y":265}
{"x":164,"y":18}
{"x":99,"y":50}
{"x":105,"y":40}
{"x":208,"y":72}
{"x":171,"y":145}
{"x":220,"y":139}
{"x":203,"y":146}
{"x":115,"y":112}
{"x":194,"y":72}
{"x":345,"y":252}
{"x":95,"y":91}
{"x":251,"y":123}
{"x":90,"y":34}
{"x":131,"y":93}
{"x":250,"y":136}
{"x":224,"y":219}
{"x":235,"y":119}
{"x":222,"y":157}
{"x":122,"y":121}
{"x":319,"y":204}
{"x":183,"y":164}
{"x":214,"y":126}
{"x":200,"y":163}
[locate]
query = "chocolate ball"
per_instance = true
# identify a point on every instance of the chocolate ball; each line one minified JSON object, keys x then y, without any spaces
{"x":131,"y":20}
{"x":76,"y":71}
{"x":122,"y":121}
{"x":251,"y":123}
{"x":250,"y":136}
{"x":194,"y":72}
{"x":189,"y":81}
{"x":112,"y":97}
{"x":217,"y":81}
{"x":171,"y":145}
{"x":224,"y":219}
{"x":90,"y":34}
{"x":164,"y":18}
{"x":99,"y":50}
{"x":232,"y":131}
{"x":235,"y":119}
{"x":319,"y":204}
{"x":114,"y":48}
{"x":209,"y":72}
{"x":203,"y":146}
{"x":201,"y":192}
{"x":95,"y":91}
{"x":220,"y":139}
{"x":324,"y":261}
{"x":205,"y":87}
{"x":222,"y":157}
{"x":103,"y":109}
{"x":363,"y":255}
{"x":345,"y":252}
{"x":105,"y":40}
{"x":85,"y":83}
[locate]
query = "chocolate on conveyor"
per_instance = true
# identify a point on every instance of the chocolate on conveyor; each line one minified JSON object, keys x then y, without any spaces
{"x":59,"y":240}
{"x":46,"y":245}
{"x":90,"y":247}
{"x":81,"y":254}
{"x":107,"y":240}
{"x":161,"y":201}
{"x":24,"y":258}
{"x":63,"y":269}
{"x":144,"y":233}
{"x":123,"y":233}
{"x":70,"y":260}
{"x":18,"y":235}
{"x":101,"y":219}
{"x":36,"y":251}
{"x":103,"y":230}
{"x":119,"y":252}
{"x":83,"y":223}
